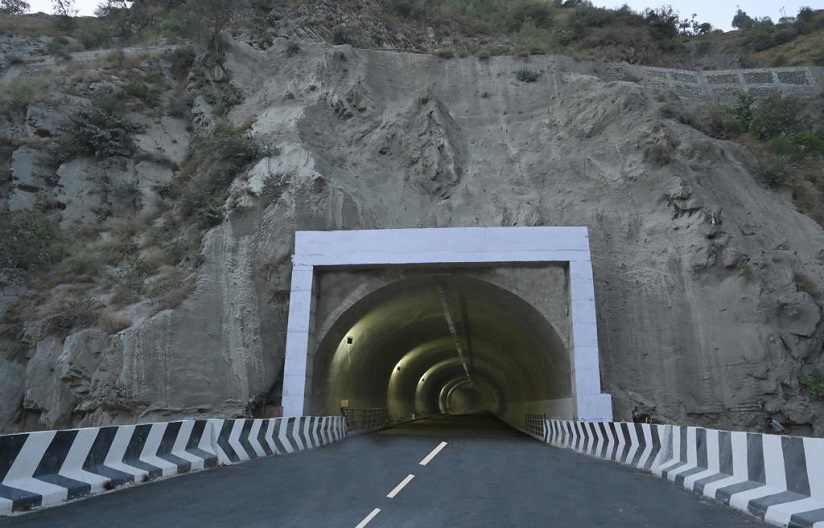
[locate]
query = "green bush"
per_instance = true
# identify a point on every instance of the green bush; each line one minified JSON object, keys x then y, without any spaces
{"x":27,"y":241}
{"x":182,"y":60}
{"x":100,"y":132}
{"x":19,"y":93}
{"x":678,"y":113}
{"x":775,"y":116}
{"x":721,"y":123}
{"x":814,"y":384}
{"x":744,"y":108}
{"x":93,"y":37}
{"x":760,"y":36}
{"x":527,"y":75}
{"x":213,"y":167}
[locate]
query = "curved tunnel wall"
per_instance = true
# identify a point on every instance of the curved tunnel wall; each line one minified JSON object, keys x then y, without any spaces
{"x":442,"y":343}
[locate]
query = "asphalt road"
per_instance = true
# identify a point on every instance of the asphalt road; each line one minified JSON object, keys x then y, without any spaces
{"x":485,"y":476}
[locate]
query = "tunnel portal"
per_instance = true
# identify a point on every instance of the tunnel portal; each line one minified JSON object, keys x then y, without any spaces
{"x":442,"y":343}
{"x":421,"y":322}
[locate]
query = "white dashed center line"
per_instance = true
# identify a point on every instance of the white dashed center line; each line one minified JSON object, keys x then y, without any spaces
{"x":432,"y":455}
{"x":400,"y":486}
{"x":368,"y":518}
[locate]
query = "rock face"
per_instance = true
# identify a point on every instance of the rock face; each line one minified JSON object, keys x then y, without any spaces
{"x":706,"y":282}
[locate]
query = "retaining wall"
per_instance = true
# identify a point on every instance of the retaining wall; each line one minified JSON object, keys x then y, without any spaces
{"x":777,"y":478}
{"x":47,"y":468}
{"x":726,"y":85}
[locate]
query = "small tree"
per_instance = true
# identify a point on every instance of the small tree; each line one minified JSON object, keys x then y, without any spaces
{"x":64,"y":8}
{"x":117,"y":13}
{"x":14,"y":7}
{"x":663,"y":22}
{"x":65,"y":12}
{"x":742,"y":20}
{"x":216,"y":14}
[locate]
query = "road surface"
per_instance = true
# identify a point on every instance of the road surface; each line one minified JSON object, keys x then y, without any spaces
{"x":485,"y":475}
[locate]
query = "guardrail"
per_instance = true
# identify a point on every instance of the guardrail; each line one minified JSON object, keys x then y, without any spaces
{"x":777,"y":478}
{"x":366,"y":419}
{"x":535,"y":425}
{"x":50,"y":467}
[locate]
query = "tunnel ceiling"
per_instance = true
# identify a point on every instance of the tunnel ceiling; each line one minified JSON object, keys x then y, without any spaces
{"x":439,"y":343}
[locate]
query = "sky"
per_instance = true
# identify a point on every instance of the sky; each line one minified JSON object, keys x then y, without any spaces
{"x":719,"y":13}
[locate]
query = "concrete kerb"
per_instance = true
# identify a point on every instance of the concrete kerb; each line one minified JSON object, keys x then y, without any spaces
{"x":42,"y":469}
{"x":779,"y":479}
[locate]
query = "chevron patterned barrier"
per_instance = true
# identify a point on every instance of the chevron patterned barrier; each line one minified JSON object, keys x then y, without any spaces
{"x":777,"y":478}
{"x":47,"y":468}
{"x":640,"y":445}
{"x":241,"y":440}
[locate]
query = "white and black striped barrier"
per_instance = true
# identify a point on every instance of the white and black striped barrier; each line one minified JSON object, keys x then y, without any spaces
{"x":777,"y":478}
{"x":47,"y":468}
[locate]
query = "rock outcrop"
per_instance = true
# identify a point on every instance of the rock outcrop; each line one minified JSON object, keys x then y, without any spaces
{"x":706,"y":281}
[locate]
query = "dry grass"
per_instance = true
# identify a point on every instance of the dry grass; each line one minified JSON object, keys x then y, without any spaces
{"x":37,"y":25}
{"x":112,"y":322}
{"x":807,"y":284}
{"x":171,"y":290}
{"x":804,"y":50}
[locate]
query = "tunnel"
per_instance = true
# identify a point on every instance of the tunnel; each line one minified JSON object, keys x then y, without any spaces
{"x":442,"y":343}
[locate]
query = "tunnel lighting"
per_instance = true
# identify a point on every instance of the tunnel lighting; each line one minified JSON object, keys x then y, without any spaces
{"x":450,"y":323}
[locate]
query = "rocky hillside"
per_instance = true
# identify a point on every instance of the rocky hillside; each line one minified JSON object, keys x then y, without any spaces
{"x":150,"y":194}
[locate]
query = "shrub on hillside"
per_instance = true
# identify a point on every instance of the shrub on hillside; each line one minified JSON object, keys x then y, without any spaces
{"x":775,"y":116}
{"x":813,"y":384}
{"x":215,"y":164}
{"x":93,"y":37}
{"x":527,"y":75}
{"x":182,"y":59}
{"x":722,"y":123}
{"x":99,"y":132}
{"x":27,"y":241}
{"x":19,"y":93}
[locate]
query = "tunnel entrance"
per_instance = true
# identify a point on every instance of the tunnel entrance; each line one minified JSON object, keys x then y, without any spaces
{"x":442,"y":343}
{"x":400,"y":324}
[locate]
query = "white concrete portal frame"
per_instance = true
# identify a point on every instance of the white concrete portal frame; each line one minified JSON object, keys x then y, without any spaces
{"x":448,"y":246}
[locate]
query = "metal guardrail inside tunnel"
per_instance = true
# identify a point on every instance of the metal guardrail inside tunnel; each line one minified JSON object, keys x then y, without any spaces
{"x":535,"y":424}
{"x":366,"y":419}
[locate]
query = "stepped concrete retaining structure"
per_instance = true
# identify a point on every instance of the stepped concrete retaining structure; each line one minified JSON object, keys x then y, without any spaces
{"x":47,"y":468}
{"x":726,"y":85}
{"x":777,"y":478}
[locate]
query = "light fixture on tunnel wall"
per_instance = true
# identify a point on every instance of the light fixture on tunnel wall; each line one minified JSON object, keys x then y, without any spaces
{"x":349,"y":341}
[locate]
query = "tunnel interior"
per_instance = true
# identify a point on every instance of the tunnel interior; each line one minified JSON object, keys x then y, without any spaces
{"x":442,"y":343}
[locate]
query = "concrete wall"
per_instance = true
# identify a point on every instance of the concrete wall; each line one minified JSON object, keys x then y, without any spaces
{"x":48,"y":468}
{"x":447,"y":246}
{"x":726,"y":85}
{"x":777,"y":478}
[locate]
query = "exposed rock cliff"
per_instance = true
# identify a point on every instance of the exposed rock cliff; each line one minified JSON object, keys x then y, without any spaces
{"x":707,"y":283}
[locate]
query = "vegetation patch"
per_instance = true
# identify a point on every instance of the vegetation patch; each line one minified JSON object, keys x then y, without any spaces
{"x":28,"y":241}
{"x":813,"y":384}
{"x":101,"y":129}
{"x":212,"y":168}
{"x":20,"y":93}
{"x":527,"y":75}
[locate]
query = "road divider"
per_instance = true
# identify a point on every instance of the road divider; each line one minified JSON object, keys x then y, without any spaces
{"x":779,"y":479}
{"x":400,"y":486}
{"x":47,"y":468}
{"x":433,"y":454}
{"x":368,"y":518}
